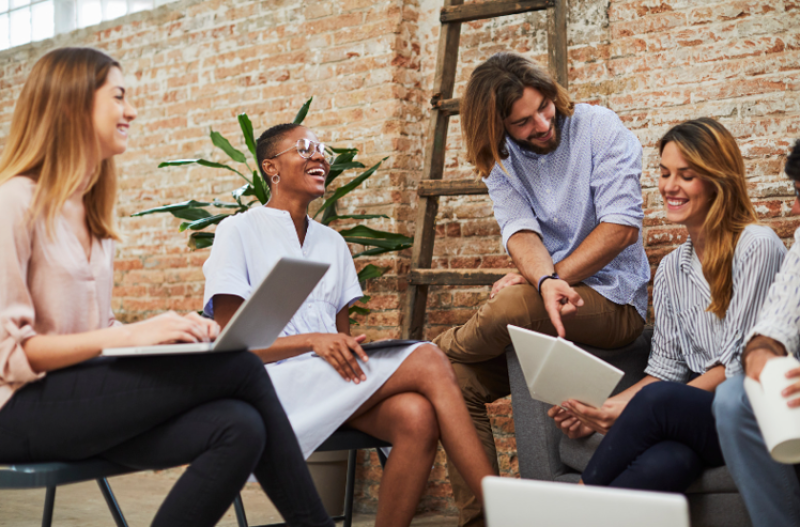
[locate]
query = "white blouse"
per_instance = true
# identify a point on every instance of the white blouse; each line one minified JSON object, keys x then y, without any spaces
{"x":247,"y":246}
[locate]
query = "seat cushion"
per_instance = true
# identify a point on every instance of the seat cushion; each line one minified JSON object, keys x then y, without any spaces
{"x":576,"y":453}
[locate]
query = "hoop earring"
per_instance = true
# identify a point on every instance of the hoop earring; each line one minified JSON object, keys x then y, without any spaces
{"x":276,"y":179}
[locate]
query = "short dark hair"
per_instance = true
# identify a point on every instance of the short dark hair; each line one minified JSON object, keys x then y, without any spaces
{"x":792,"y":167}
{"x":266,"y":145}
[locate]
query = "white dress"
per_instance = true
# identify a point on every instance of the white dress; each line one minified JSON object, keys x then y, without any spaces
{"x":314,"y":396}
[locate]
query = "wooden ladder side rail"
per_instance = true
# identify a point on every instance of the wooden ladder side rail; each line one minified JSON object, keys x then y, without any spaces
{"x":443,"y":105}
{"x":427,"y":207}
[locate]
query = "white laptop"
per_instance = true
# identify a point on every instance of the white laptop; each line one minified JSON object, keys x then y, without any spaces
{"x":556,"y":370}
{"x":259,"y":320}
{"x":527,"y":503}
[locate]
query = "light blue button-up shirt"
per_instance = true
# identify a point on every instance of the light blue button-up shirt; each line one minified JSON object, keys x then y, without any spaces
{"x":591,"y":178}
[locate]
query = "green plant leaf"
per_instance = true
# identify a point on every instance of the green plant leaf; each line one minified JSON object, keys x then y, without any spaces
{"x":201,"y":240}
{"x":346,"y":189}
{"x":222,"y":205}
{"x":359,"y":310}
{"x":368,"y":272}
{"x":223,"y":144}
{"x":247,"y":131}
{"x":301,"y":115}
{"x":363,"y":231}
{"x":202,"y":162}
{"x":203,"y":223}
{"x":191,"y":214}
{"x":380,"y":250}
{"x":171,"y":208}
{"x":329,"y":219}
{"x":344,"y":150}
{"x":337,"y":168}
{"x":260,"y":189}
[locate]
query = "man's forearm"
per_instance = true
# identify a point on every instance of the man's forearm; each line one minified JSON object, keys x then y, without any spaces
{"x":530,"y":255}
{"x":760,"y":345}
{"x":602,"y":245}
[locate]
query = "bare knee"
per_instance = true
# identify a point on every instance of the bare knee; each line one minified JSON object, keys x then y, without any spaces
{"x":435,"y":365}
{"x":415,"y":421}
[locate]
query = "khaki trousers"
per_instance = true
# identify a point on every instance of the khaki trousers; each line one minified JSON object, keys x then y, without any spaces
{"x":477,"y":352}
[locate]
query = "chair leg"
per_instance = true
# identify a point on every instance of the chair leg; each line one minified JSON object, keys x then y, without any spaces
{"x":111,"y":501}
{"x":350,"y":488}
{"x":49,"y":504}
{"x":238,"y":507}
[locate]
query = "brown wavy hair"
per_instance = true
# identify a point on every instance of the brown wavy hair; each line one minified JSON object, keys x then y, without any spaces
{"x":492,"y":90}
{"x":712,"y":153}
{"x":52,"y":138}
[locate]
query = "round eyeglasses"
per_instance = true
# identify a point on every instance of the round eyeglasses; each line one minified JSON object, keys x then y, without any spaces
{"x":307,"y":148}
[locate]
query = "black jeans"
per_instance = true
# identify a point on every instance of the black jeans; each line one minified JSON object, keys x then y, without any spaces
{"x":662,"y":441}
{"x":218,"y":412}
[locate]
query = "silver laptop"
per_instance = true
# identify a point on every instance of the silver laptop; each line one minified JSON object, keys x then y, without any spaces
{"x":527,"y":503}
{"x":259,"y":320}
{"x":556,"y":370}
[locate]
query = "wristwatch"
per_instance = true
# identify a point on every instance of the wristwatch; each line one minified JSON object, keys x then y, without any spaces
{"x":546,"y":277}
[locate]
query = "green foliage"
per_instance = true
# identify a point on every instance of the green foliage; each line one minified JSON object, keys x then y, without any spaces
{"x":197,"y":216}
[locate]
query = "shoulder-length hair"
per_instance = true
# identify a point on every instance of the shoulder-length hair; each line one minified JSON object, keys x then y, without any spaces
{"x":492,"y":90}
{"x":712,"y":153}
{"x":52,"y":138}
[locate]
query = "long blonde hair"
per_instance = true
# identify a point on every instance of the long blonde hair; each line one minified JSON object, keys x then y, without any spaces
{"x":492,"y":90}
{"x":712,"y":153}
{"x":52,"y":138}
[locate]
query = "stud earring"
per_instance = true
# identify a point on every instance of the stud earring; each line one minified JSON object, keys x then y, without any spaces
{"x":276,"y":179}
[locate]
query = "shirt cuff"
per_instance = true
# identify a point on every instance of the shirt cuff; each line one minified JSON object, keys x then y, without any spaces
{"x":789,"y":339}
{"x":622,"y":219}
{"x":664,"y":375}
{"x":515,"y":226}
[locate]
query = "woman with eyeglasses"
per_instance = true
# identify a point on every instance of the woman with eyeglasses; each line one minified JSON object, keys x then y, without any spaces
{"x":217,"y":412}
{"x":406,"y":395}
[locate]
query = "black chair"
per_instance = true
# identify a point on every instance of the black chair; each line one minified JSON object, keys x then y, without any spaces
{"x":51,"y":475}
{"x":345,"y":438}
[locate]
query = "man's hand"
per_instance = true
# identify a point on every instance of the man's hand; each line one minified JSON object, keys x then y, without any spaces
{"x":560,"y":301}
{"x":507,"y":280}
{"x":755,"y":360}
{"x":568,"y":424}
{"x":793,"y":389}
{"x":597,"y":419}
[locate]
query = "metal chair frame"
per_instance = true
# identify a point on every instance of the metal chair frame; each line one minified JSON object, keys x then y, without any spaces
{"x":52,"y":474}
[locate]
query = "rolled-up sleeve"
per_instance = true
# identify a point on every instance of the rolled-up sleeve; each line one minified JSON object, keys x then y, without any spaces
{"x":666,"y":360}
{"x":226,"y":267}
{"x":616,"y":179}
{"x":16,"y":305}
{"x":779,"y":317}
{"x":511,"y":210}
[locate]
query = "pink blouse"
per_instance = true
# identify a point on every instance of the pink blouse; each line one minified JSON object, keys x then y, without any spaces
{"x":47,"y":286}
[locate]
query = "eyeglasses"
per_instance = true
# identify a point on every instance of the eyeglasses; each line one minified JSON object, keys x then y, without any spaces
{"x":307,"y":148}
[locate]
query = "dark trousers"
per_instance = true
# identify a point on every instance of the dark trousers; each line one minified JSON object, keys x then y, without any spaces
{"x":662,"y":441}
{"x":218,"y":412}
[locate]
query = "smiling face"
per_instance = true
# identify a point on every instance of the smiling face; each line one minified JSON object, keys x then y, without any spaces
{"x":686,"y":197}
{"x":301,"y":176}
{"x":532,"y":122}
{"x":112,"y":115}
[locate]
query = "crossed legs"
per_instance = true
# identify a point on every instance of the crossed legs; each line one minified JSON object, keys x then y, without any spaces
{"x":418,"y":406}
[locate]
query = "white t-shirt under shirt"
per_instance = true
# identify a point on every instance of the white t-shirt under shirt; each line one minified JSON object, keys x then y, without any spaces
{"x":316,"y":399}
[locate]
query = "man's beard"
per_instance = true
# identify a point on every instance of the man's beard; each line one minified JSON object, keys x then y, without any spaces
{"x":548,"y":147}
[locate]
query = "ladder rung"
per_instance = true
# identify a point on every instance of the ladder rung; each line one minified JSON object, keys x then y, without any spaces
{"x":456,"y":276}
{"x":451,"y":106}
{"x":468,"y":12}
{"x":437,"y":187}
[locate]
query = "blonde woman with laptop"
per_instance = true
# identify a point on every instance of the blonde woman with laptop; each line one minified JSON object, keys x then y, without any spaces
{"x":660,"y":433}
{"x":406,"y":395}
{"x":218,"y":412}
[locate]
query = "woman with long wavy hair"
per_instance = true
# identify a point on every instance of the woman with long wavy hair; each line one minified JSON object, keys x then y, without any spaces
{"x":706,"y":295}
{"x":218,"y":412}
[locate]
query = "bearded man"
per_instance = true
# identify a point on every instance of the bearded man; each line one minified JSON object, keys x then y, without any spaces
{"x":564,"y":182}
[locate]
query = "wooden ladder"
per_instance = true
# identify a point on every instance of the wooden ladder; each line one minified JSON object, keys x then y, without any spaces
{"x":443,"y":105}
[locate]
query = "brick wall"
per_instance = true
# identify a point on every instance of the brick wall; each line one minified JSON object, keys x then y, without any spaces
{"x":193,"y":65}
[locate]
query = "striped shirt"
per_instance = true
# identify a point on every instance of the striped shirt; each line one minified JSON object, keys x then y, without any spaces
{"x":591,"y":178}
{"x":687,"y":338}
{"x":779,"y":318}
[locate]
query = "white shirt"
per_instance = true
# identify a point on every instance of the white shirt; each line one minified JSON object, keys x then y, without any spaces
{"x":687,"y":338}
{"x":247,"y":246}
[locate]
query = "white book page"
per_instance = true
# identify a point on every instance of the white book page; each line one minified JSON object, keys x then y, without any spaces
{"x":780,"y":425}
